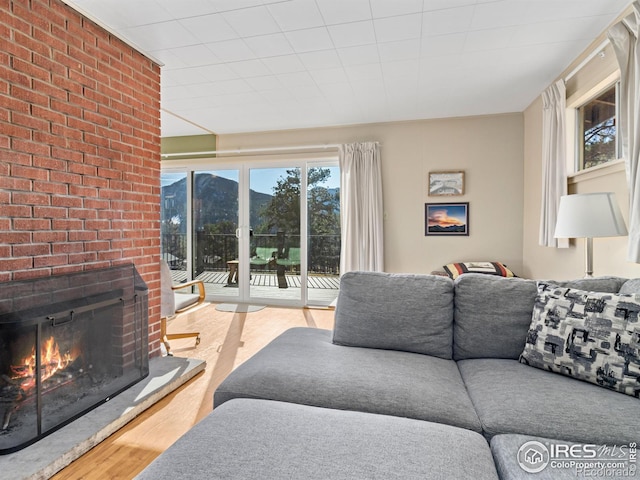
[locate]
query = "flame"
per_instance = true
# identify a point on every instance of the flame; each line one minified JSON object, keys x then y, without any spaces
{"x":51,"y":362}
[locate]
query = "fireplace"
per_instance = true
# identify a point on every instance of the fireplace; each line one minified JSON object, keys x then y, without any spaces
{"x":68,"y":343}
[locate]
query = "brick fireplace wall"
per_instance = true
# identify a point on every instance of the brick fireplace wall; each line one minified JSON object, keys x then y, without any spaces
{"x":79,"y":149}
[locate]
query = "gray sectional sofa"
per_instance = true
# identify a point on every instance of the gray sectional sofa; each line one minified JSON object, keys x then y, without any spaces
{"x":420,"y":378}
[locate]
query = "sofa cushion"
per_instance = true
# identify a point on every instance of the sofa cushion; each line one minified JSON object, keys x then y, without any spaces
{"x":491,"y":316}
{"x":454,"y":270}
{"x":590,"y":336}
{"x":257,"y":439}
{"x":514,"y":453}
{"x":412,"y":313}
{"x":631,"y":286}
{"x":510,"y":397}
{"x":303,"y":366}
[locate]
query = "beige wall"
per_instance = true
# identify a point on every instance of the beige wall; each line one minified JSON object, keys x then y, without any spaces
{"x":488,"y":148}
{"x":609,"y":253}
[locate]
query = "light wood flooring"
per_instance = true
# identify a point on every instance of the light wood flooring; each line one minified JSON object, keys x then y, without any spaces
{"x":228,"y":339}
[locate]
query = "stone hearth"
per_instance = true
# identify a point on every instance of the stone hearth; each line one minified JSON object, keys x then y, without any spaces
{"x":54,"y":452}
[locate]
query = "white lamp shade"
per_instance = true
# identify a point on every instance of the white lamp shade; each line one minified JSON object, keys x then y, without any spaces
{"x":588,"y":215}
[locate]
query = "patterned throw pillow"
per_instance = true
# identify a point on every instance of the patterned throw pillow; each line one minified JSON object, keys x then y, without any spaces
{"x":454,"y":270}
{"x":591,"y":336}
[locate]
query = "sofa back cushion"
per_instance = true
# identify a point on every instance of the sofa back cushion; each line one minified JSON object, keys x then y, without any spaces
{"x":492,"y":315}
{"x":412,"y":313}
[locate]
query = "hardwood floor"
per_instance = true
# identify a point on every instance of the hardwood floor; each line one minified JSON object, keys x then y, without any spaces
{"x":228,"y":339}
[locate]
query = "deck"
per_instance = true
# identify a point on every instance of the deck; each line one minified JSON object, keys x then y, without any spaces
{"x":322,"y":289}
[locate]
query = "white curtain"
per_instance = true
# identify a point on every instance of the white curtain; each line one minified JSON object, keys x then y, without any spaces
{"x":624,"y":38}
{"x":554,"y":162}
{"x":361,"y":214}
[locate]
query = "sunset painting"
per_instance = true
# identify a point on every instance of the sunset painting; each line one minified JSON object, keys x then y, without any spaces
{"x":446,"y":218}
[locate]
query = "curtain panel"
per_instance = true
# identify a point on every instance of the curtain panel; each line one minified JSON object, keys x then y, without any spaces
{"x":361,"y":213}
{"x":554,"y":162}
{"x":624,"y":38}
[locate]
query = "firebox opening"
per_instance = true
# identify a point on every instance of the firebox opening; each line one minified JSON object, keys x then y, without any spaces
{"x":60,"y":359}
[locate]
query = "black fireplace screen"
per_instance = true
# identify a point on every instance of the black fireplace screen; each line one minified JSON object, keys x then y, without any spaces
{"x":67,"y":344}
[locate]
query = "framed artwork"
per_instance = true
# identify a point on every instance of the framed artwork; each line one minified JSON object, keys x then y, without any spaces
{"x":446,"y":219}
{"x":446,"y":183}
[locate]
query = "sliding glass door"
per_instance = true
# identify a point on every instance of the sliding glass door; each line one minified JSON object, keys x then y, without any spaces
{"x":259,"y":232}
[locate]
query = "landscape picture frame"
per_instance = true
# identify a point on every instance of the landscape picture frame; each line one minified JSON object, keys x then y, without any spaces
{"x":446,"y":219}
{"x":446,"y":183}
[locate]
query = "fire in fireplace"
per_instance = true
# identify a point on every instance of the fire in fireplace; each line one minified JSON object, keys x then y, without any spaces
{"x":67,"y":344}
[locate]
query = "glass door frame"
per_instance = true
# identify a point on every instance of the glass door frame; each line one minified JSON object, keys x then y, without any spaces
{"x":243,"y":165}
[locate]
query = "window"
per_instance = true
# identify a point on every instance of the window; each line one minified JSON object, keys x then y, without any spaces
{"x":597,"y":130}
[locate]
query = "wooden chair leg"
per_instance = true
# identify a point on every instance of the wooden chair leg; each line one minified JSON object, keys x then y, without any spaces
{"x":165,"y":337}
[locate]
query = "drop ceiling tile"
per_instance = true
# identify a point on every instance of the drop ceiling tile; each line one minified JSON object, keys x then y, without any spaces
{"x":385,"y":8}
{"x":366,"y":73}
{"x":359,"y":55}
{"x":231,"y":50}
{"x":209,"y":28}
{"x":330,"y":75}
{"x":310,"y":39}
{"x":160,"y":36}
{"x":352,"y":34}
{"x":190,"y":8}
{"x":434,"y":5}
{"x":228,"y":87}
{"x":296,"y":14}
{"x":320,"y":60}
{"x":212,"y":73}
{"x":404,"y":50}
{"x":265,"y":83}
{"x":442,"y":45}
{"x":269,"y":45}
{"x":451,"y":20}
{"x":343,"y":11}
{"x":492,"y":39}
{"x":284,"y":64}
{"x":403,"y":27}
{"x":191,"y":56}
{"x":403,"y":68}
{"x":232,"y":5}
{"x":249,"y":68}
{"x":296,"y":79}
{"x":306,"y":92}
{"x":251,"y":22}
{"x":182,"y":76}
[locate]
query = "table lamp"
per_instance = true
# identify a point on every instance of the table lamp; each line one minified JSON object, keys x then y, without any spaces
{"x":589,"y":215}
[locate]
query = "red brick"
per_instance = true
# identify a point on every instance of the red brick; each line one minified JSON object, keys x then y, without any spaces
{"x":66,"y":201}
{"x":49,"y":163}
{"x":15,"y":211}
{"x":50,"y":212}
{"x":31,"y":224}
{"x":29,"y":95}
{"x":70,"y":247}
{"x":96,"y":246}
{"x":84,"y":213}
{"x":83,"y":235}
{"x":49,"y":237}
{"x":83,"y":257}
{"x":97,"y":224}
{"x":30,"y":147}
{"x":65,"y":177}
{"x":83,"y":191}
{"x":31,"y":250}
{"x":9,"y":264}
{"x":14,"y":237}
{"x":28,"y":198}
{"x":50,"y":260}
{"x":66,"y":224}
{"x":95,"y":182}
{"x":29,"y":172}
{"x":49,"y":187}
